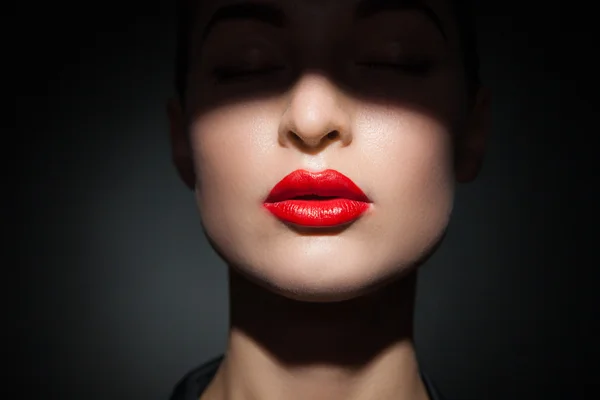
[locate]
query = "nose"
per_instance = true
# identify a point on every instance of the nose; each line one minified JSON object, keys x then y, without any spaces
{"x":315,"y":114}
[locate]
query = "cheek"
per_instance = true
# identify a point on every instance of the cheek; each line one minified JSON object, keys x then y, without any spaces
{"x":231,"y":147}
{"x":409,"y":156}
{"x":408,"y":142}
{"x":228,"y":143}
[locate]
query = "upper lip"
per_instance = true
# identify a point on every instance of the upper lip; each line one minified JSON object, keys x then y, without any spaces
{"x":327,"y":183}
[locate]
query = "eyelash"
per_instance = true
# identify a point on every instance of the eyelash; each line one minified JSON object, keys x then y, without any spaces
{"x":229,"y":74}
{"x":226,"y":74}
{"x":416,"y":68}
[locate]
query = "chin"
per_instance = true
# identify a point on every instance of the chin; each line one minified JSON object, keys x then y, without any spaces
{"x":335,"y":289}
{"x":321,"y":272}
{"x":298,"y":288}
{"x":333,"y":293}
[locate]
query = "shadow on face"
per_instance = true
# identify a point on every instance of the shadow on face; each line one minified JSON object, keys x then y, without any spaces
{"x":380,"y":52}
{"x":373,"y":88}
{"x":399,"y":55}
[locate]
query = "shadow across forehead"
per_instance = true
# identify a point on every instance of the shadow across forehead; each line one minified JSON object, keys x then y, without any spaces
{"x":452,"y":19}
{"x":193,"y":15}
{"x":275,"y":15}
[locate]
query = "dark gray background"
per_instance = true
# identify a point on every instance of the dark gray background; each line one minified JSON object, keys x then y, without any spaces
{"x":118,"y":293}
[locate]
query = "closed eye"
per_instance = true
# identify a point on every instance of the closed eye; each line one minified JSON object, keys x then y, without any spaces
{"x":230,"y":74}
{"x":418,"y":68}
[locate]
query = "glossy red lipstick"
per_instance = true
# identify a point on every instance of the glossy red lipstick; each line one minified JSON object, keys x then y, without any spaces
{"x":317,"y":199}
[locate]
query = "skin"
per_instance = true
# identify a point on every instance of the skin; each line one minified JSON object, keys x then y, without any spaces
{"x":326,"y":314}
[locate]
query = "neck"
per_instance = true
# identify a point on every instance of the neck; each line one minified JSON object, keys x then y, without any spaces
{"x":285,"y":349}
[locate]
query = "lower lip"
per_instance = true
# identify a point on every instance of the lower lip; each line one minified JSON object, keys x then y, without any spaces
{"x":318,"y":213}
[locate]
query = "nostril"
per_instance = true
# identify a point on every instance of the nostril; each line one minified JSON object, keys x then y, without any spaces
{"x":333,"y":135}
{"x":296,"y":137}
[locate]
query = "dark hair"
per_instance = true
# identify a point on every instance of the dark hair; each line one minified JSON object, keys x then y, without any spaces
{"x":463,"y":13}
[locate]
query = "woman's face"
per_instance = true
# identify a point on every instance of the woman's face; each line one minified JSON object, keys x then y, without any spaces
{"x":372,"y":89}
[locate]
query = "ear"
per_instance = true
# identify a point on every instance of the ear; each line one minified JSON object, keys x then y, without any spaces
{"x":180,"y":145}
{"x":470,"y":145}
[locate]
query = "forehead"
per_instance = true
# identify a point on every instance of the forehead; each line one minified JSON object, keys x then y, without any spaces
{"x":316,"y":6}
{"x":320,"y":14}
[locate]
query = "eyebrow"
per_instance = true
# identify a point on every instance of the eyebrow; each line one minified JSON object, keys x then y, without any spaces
{"x":262,"y":12}
{"x":369,"y":8}
{"x":273,"y":15}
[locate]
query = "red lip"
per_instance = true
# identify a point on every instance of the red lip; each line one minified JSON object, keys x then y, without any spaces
{"x":317,"y":199}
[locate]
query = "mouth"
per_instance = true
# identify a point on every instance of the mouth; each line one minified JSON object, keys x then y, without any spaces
{"x":317,"y":199}
{"x":313,"y":197}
